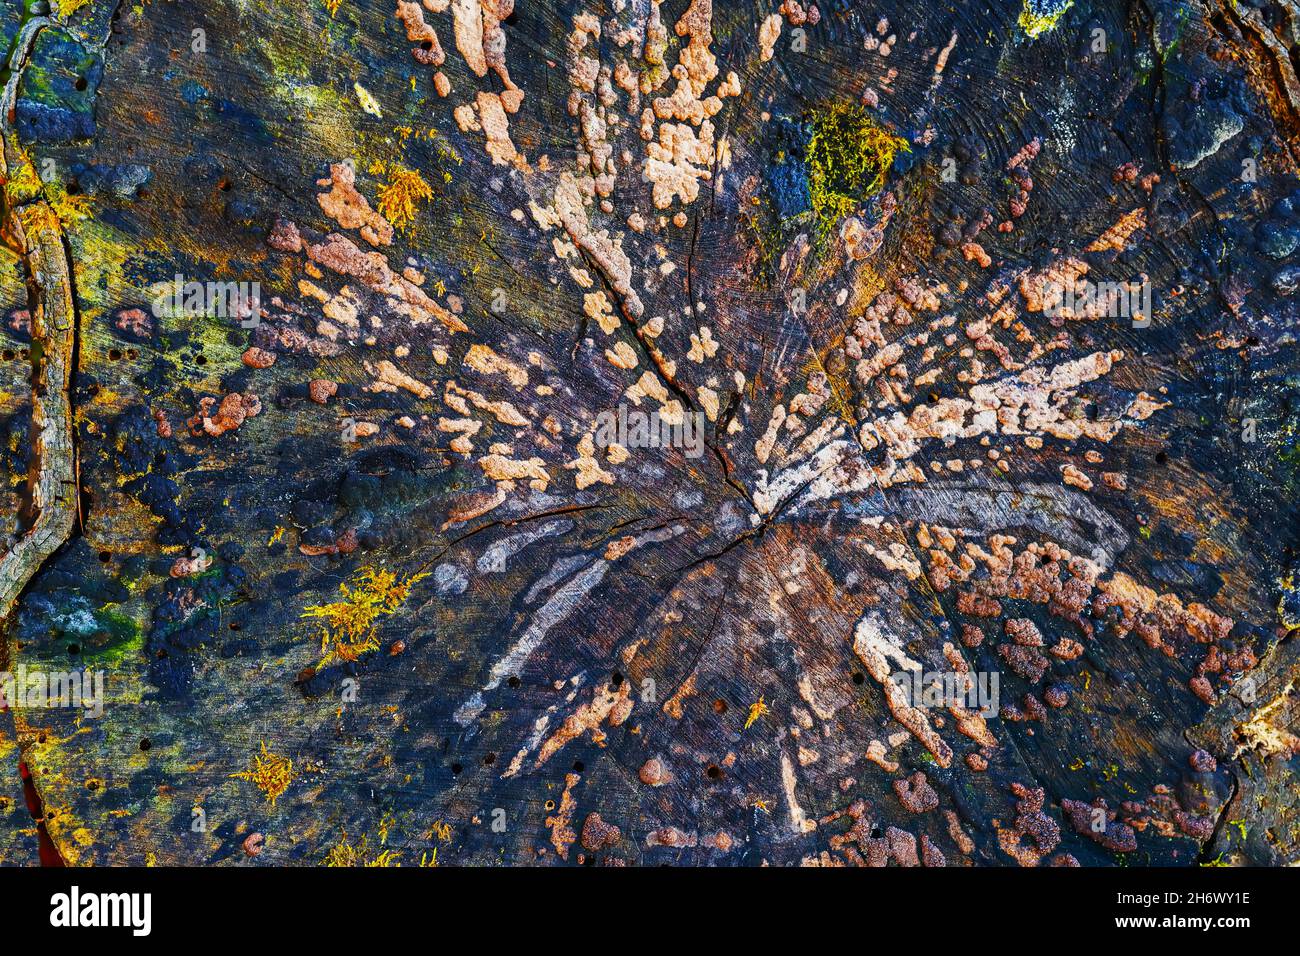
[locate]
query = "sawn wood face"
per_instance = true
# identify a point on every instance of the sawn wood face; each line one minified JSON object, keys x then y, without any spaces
{"x":550,"y":433}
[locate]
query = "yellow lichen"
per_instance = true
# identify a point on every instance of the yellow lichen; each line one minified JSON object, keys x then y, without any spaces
{"x":401,"y":194}
{"x":756,"y":710}
{"x":67,"y":206}
{"x":348,"y":630}
{"x":1287,"y":584}
{"x":346,"y":854}
{"x":1036,"y":23}
{"x":848,"y":156}
{"x":23,"y":185}
{"x":333,"y":6}
{"x":68,"y":7}
{"x":367,"y":101}
{"x":272,"y":773}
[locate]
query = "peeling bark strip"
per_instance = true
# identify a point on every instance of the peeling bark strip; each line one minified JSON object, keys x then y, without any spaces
{"x":34,"y":233}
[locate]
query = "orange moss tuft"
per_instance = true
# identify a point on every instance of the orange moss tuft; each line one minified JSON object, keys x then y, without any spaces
{"x":402,"y":194}
{"x":272,"y":773}
{"x":349,"y":628}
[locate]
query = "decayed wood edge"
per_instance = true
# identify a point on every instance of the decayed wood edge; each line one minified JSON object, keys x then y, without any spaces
{"x":34,"y":233}
{"x":1276,"y":55}
{"x":51,"y":479}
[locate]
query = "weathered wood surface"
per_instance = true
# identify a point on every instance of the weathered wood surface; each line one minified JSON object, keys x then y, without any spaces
{"x":638,"y":655}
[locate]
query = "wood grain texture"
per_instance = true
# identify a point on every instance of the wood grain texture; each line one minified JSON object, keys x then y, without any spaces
{"x":550,"y":650}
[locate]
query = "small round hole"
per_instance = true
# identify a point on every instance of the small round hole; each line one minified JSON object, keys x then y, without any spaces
{"x":456,"y":768}
{"x":579,"y":766}
{"x":145,"y":744}
{"x":859,"y":677}
{"x":719,"y":706}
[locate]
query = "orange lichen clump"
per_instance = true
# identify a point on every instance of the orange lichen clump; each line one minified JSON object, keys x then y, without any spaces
{"x":216,"y":420}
